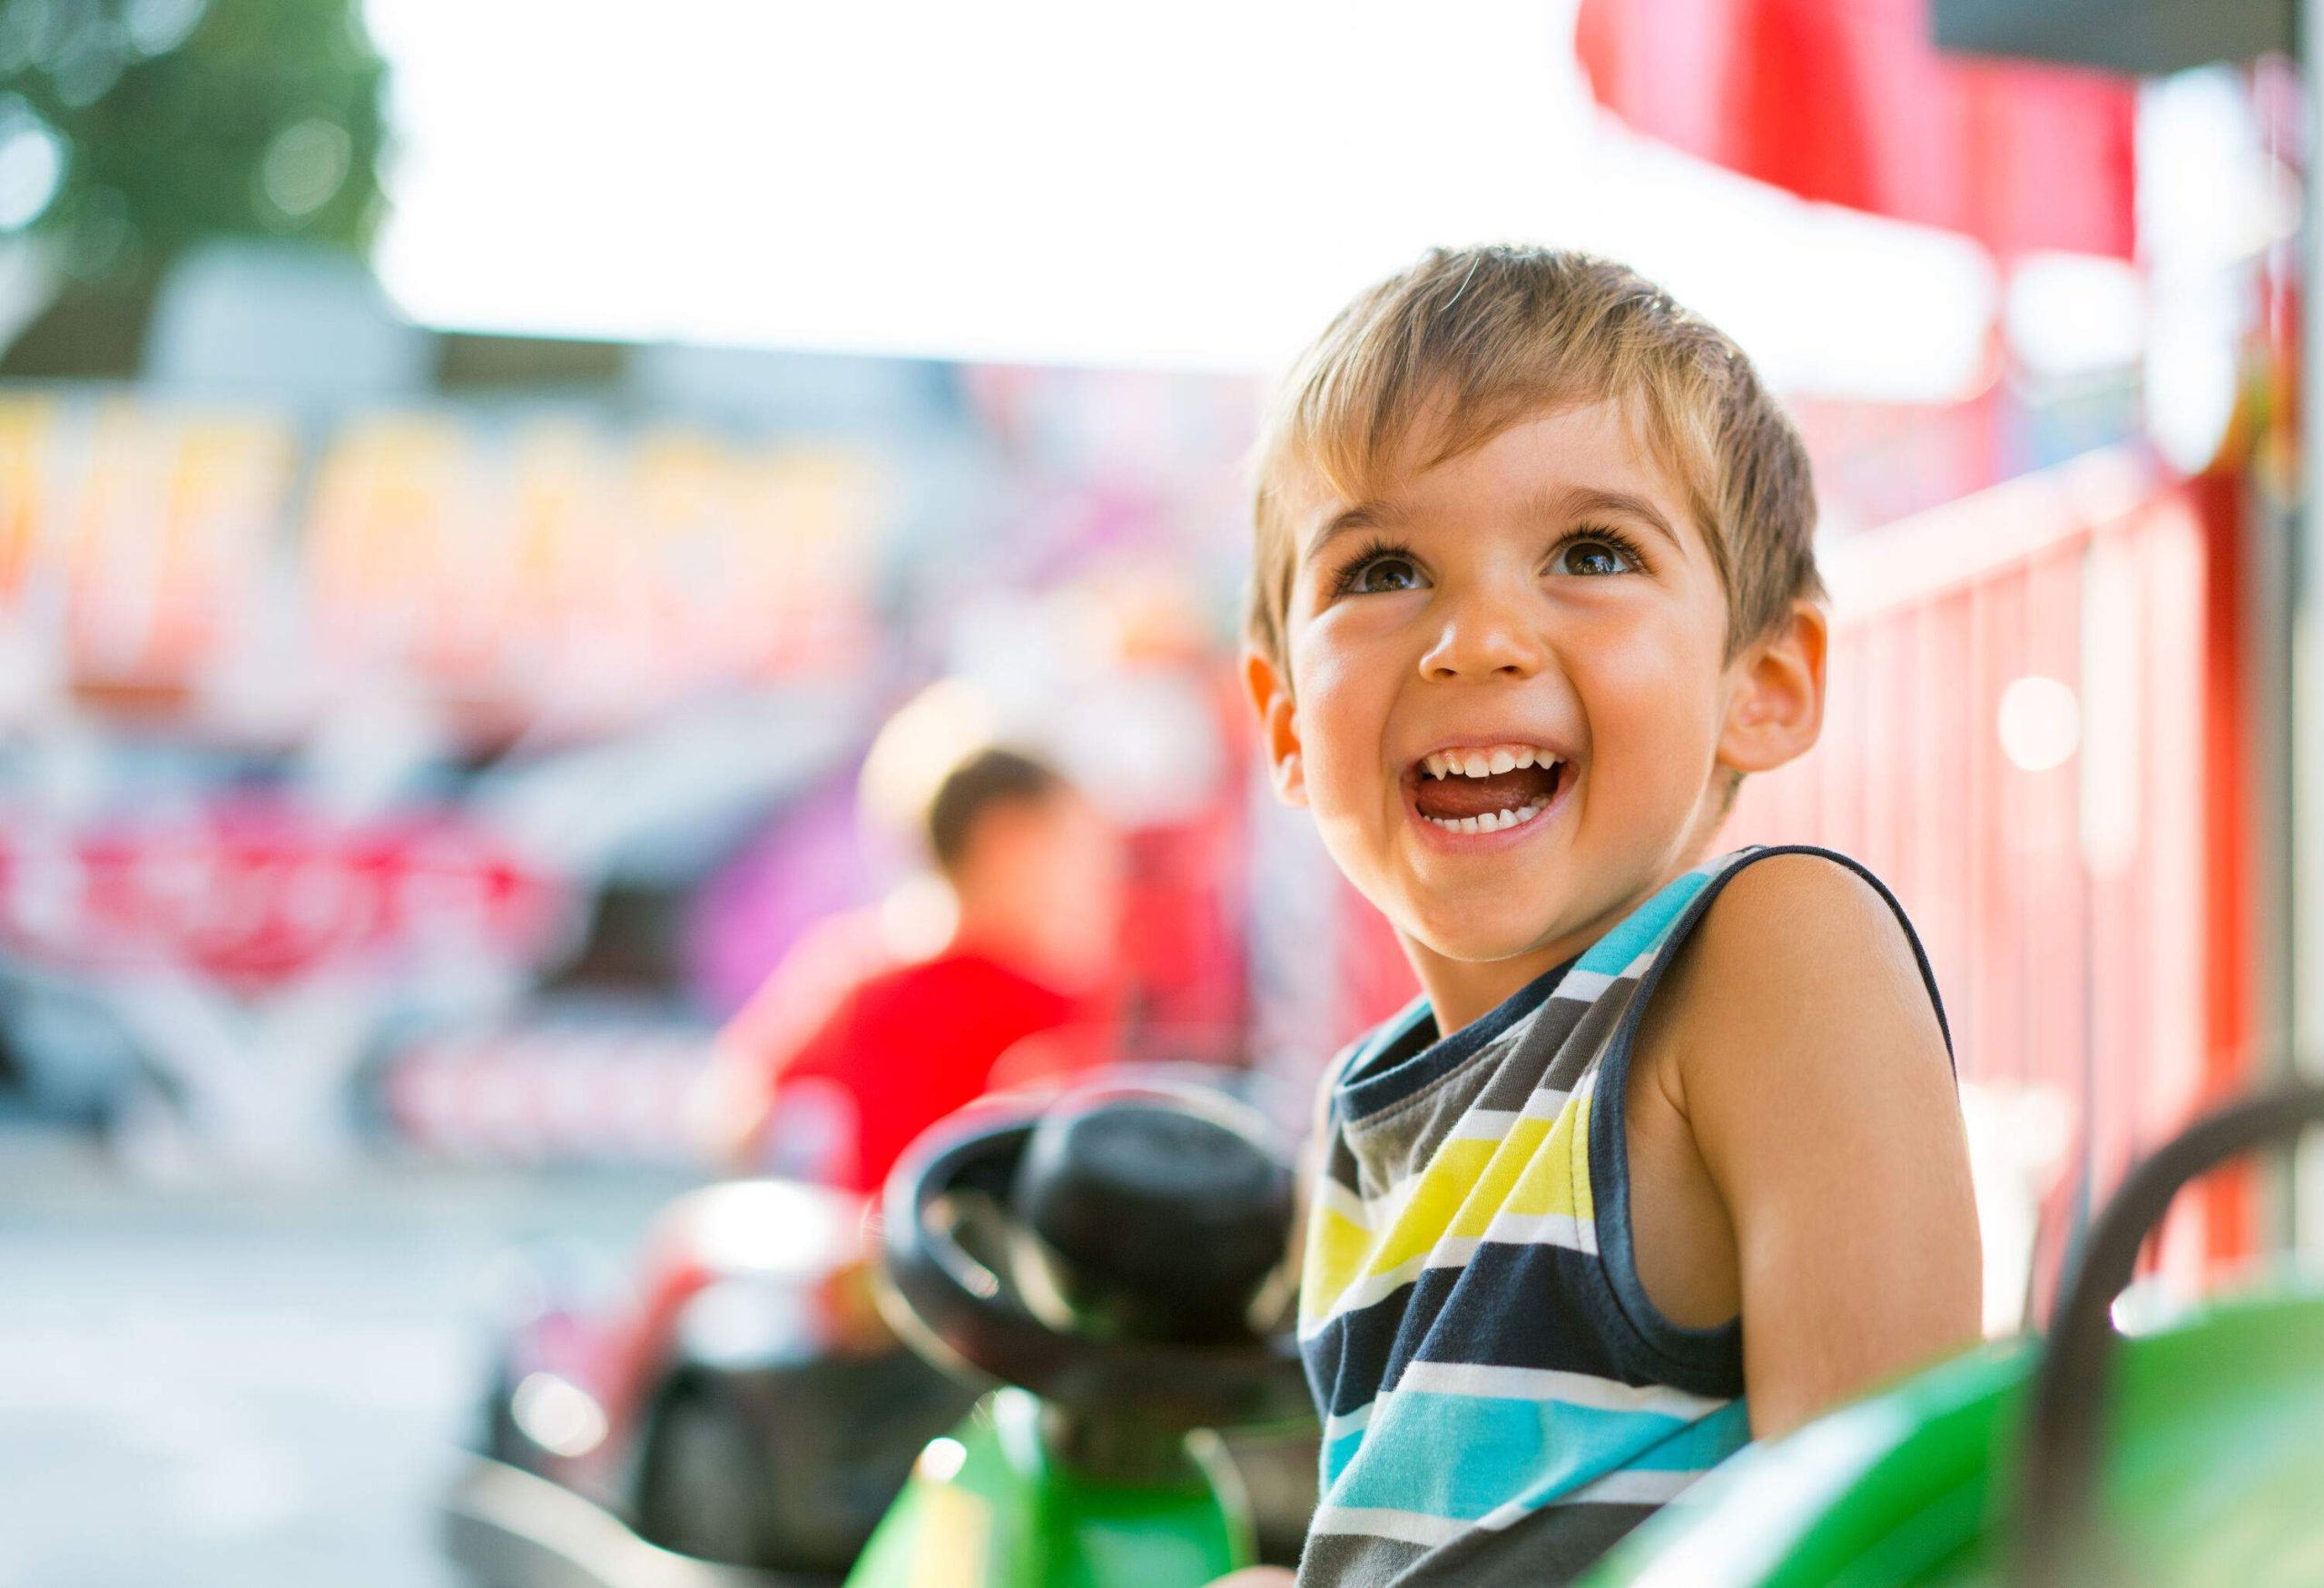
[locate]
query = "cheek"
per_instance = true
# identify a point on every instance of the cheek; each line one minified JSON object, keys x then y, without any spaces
{"x":1651,"y":697}
{"x":1343,"y":710}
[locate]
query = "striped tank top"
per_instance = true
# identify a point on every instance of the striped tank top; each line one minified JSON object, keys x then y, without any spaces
{"x":1500,"y":1400}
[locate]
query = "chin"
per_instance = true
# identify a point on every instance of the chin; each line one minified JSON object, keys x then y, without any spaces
{"x":1471,"y":941}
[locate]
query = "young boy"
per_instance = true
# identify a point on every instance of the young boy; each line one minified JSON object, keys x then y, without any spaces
{"x":1667,"y":1156}
{"x":1036,"y":874}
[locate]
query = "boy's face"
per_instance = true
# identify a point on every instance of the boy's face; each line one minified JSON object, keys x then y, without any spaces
{"x":1544,"y":597}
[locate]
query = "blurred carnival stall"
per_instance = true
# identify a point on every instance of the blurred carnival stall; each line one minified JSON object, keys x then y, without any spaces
{"x":450,"y":765}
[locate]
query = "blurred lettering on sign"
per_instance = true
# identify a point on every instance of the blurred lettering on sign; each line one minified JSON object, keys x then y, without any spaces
{"x":136,"y":537}
{"x":510,"y":572}
{"x":253,"y":895}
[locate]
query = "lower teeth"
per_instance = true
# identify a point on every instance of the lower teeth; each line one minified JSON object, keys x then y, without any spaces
{"x":1493,"y":822}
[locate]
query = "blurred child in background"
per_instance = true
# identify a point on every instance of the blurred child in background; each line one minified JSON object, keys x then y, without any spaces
{"x":847,"y":1053}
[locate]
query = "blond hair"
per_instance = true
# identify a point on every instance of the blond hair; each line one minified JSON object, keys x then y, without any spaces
{"x":1469,"y":342}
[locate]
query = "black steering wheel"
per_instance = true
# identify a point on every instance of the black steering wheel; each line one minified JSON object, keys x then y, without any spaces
{"x":2066,"y":1420}
{"x":1115,"y":1249}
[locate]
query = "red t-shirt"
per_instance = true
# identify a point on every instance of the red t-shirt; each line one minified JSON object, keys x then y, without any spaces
{"x":909,"y":1045}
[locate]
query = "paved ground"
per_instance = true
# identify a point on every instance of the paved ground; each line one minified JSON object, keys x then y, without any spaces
{"x":213,"y":1388}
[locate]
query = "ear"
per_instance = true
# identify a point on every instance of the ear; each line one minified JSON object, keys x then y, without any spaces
{"x":1775,"y":707}
{"x":1270,"y":695}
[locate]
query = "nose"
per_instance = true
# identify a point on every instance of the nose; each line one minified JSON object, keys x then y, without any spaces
{"x":1484,"y":637}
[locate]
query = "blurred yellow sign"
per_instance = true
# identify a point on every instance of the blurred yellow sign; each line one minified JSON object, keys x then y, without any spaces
{"x":542,"y":566}
{"x":133,"y":537}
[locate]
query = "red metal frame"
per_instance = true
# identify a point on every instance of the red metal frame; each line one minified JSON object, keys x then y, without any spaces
{"x":2090,"y":923}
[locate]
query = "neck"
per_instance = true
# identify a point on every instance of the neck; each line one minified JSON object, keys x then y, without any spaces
{"x":999,"y":935}
{"x":1463,"y":991}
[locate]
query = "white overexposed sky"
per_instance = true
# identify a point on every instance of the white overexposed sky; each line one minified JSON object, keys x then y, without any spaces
{"x":1197,"y":185}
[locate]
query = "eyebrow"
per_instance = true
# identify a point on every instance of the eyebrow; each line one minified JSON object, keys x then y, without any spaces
{"x":1581,"y":500}
{"x":1363,"y":515}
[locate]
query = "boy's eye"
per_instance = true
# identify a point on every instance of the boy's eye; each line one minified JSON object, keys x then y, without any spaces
{"x":1380,"y":576}
{"x":1594,"y":557}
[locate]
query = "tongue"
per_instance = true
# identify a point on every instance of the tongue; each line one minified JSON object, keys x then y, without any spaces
{"x":1453,"y":798}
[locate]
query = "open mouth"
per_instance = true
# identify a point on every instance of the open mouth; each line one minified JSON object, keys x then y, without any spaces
{"x":1485,"y":790}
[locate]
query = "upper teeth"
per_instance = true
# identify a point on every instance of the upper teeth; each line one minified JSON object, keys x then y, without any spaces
{"x":1486,"y":762}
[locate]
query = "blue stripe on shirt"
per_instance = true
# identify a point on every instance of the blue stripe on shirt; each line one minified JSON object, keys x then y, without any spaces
{"x":1459,"y":1456}
{"x":1611,"y":954}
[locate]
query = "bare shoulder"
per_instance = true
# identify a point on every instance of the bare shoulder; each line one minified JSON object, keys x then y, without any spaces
{"x":1810,"y":1064}
{"x":1802,"y":940}
{"x":1798,"y":991}
{"x":1803,"y":899}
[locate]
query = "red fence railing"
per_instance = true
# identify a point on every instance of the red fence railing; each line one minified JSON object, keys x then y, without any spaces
{"x":2026,"y":735}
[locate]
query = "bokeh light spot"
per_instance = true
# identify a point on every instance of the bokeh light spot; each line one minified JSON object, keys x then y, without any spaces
{"x":155,"y":28}
{"x":557,"y":1414}
{"x":2040,"y":724}
{"x":941,"y":727}
{"x":941,"y":1462}
{"x":305,"y":166}
{"x":32,"y":164}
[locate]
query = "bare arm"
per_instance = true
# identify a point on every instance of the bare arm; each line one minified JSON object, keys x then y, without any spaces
{"x":1821,"y":1100}
{"x":731,"y":1105}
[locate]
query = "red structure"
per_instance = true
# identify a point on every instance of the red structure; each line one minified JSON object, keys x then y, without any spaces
{"x":1852,"y":105}
{"x":2035,"y":731}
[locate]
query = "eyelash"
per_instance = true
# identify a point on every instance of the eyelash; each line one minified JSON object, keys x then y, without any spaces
{"x":1372,"y":551}
{"x":1375,"y":549}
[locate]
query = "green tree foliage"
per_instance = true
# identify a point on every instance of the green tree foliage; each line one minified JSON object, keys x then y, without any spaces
{"x":133,"y":129}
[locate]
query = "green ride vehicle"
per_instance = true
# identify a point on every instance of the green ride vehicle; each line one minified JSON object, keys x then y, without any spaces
{"x":1118,"y":1262}
{"x":1115,"y":1257}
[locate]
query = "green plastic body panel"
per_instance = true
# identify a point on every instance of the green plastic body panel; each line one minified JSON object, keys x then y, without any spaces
{"x":2214,"y":1474}
{"x":988,"y":1507}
